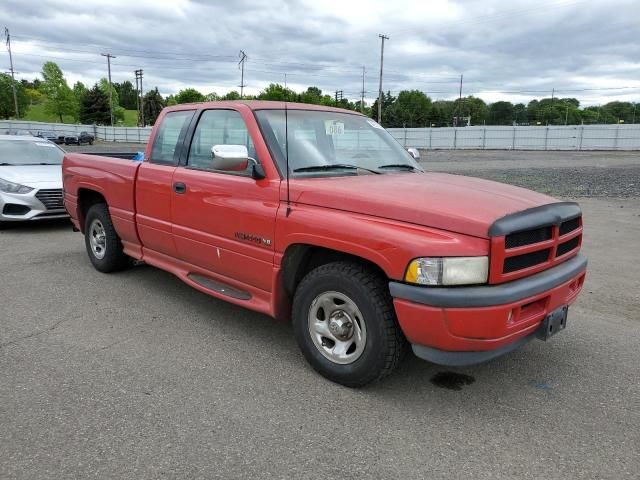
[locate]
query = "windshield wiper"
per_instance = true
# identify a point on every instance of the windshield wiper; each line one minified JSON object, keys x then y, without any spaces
{"x":320,"y":168}
{"x":5,"y":164}
{"x":401,"y":165}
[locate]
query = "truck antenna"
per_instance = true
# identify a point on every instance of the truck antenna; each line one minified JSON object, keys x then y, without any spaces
{"x":286,"y":152}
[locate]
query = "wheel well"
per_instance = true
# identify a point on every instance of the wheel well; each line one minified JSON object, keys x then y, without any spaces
{"x":301,"y":259}
{"x":86,"y":199}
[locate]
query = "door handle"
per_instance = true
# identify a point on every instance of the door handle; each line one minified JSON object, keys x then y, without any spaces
{"x":179,"y":187}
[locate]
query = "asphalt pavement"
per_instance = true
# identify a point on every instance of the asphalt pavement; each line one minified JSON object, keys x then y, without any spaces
{"x":137,"y":375}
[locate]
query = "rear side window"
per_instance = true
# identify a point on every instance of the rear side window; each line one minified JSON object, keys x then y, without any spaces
{"x":170,"y":135}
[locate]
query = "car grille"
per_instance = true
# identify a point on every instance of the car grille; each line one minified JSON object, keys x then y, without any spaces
{"x":51,"y":198}
{"x":525,"y":252}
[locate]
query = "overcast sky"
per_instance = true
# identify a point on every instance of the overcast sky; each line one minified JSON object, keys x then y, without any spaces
{"x":513,"y":50}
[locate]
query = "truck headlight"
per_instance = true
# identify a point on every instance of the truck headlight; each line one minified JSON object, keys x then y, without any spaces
{"x":10,"y":187}
{"x":448,"y":271}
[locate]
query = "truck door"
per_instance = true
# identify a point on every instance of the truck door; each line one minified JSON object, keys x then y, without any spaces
{"x":154,"y":188}
{"x":224,"y":221}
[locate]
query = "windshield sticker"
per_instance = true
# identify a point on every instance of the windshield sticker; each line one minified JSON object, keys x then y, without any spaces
{"x":333,"y":127}
{"x":374,"y":124}
{"x":42,"y":144}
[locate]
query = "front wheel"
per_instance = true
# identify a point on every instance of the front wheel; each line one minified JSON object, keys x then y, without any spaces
{"x":345,"y":324}
{"x":103,"y":243}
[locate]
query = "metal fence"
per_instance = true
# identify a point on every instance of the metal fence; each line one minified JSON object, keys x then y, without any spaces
{"x":571,"y":137}
{"x":108,"y":134}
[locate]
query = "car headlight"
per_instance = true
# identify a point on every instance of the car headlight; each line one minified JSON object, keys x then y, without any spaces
{"x":10,"y":187}
{"x":448,"y":271}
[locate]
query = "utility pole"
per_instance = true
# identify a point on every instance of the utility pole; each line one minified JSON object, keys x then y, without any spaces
{"x":13,"y":77}
{"x":459,"y":109}
{"x":243,"y":58}
{"x":362,"y":93}
{"x":566,"y":115}
{"x":140,"y":97}
{"x":383,"y":38}
{"x":109,"y":57}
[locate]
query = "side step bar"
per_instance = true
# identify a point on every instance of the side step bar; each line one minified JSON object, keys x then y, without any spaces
{"x":219,"y":287}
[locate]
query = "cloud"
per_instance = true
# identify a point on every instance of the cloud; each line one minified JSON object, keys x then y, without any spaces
{"x":513,"y":50}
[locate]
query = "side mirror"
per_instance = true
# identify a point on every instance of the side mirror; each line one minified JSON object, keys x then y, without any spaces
{"x":233,"y":158}
{"x":414,"y":153}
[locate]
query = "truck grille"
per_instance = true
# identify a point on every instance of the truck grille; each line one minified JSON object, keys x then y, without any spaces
{"x":51,"y":198}
{"x":530,"y":250}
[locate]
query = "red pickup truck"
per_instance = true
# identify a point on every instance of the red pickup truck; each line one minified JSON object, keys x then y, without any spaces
{"x":318,"y":215}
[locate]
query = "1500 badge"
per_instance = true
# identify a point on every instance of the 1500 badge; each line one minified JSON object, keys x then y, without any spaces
{"x":248,"y":237}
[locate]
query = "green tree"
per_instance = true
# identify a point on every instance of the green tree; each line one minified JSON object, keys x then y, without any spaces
{"x":501,"y":113}
{"x":232,"y":95}
{"x":387,"y":102}
{"x":189,"y":95}
{"x":277,"y":92}
{"x":94,"y":109}
{"x":442,"y":113}
{"x":520,"y":113}
{"x":127,"y":95}
{"x":411,"y":109}
{"x":7,"y":105}
{"x":79,"y":91}
{"x":620,"y":112}
{"x":104,"y":86}
{"x":472,"y":107}
{"x":312,"y":95}
{"x":60,"y":98}
{"x":153,"y":105}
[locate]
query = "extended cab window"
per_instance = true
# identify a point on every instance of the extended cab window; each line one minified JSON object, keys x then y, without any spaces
{"x":218,"y":127}
{"x":170,"y":134}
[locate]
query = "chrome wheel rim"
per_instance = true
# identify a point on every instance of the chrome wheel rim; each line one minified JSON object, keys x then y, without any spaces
{"x":97,"y":239}
{"x":337,"y":327}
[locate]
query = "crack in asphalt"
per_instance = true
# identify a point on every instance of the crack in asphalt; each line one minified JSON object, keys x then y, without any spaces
{"x":33,"y":334}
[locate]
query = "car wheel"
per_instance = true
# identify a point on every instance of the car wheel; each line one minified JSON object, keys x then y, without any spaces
{"x":90,"y":142}
{"x":103,"y":243}
{"x":345,"y":324}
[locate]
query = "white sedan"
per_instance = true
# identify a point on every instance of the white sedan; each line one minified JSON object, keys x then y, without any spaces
{"x":30,"y":179}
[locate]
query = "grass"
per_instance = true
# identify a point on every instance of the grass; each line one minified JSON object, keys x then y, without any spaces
{"x":36,"y":113}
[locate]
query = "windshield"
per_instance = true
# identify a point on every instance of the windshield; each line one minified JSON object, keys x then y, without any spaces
{"x":25,"y":152}
{"x":328,"y":143}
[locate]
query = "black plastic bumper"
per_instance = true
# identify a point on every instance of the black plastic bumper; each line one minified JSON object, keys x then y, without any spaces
{"x":463,"y":359}
{"x":488,"y":295}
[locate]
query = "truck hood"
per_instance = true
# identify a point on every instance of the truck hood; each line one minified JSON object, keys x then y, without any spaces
{"x":31,"y":175}
{"x":455,"y":203}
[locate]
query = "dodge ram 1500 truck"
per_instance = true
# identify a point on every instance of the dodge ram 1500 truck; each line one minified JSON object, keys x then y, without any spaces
{"x":318,"y":215}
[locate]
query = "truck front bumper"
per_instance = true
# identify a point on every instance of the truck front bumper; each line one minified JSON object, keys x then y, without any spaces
{"x":459,"y":326}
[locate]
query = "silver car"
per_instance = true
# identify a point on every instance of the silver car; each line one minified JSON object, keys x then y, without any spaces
{"x":30,"y":179}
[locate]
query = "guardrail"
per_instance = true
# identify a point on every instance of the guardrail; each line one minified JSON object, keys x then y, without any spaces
{"x":552,"y":137}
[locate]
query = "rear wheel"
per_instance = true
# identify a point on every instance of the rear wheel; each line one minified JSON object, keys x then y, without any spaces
{"x":345,"y":324}
{"x":103,"y":243}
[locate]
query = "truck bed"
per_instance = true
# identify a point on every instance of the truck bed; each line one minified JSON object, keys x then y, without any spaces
{"x":113,"y":178}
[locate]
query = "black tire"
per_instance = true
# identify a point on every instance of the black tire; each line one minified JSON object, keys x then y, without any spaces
{"x":90,"y":142}
{"x":113,"y":258}
{"x":385,"y":344}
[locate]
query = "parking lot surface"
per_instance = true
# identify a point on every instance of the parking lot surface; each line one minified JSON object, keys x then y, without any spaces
{"x":137,"y":375}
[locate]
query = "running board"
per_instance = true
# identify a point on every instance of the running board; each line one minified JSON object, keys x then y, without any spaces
{"x":218,"y":287}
